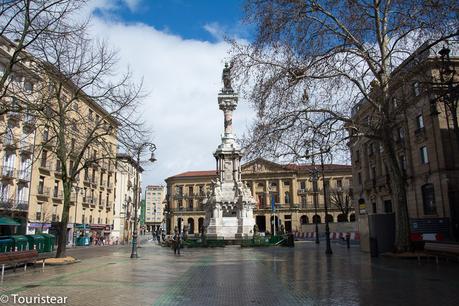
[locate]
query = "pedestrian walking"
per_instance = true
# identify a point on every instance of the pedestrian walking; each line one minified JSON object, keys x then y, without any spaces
{"x":176,"y":242}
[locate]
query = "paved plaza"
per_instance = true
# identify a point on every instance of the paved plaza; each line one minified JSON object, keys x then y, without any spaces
{"x":233,"y":276}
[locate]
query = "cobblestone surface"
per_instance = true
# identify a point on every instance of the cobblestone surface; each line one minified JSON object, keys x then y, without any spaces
{"x":234,"y":276}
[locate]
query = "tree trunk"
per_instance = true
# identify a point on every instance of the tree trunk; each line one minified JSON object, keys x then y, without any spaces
{"x":398,"y":190}
{"x":62,"y":237}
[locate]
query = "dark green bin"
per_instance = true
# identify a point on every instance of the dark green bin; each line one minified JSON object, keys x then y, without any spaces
{"x":50,"y":240}
{"x":20,"y":242}
{"x":36,"y":242}
{"x":6,"y":244}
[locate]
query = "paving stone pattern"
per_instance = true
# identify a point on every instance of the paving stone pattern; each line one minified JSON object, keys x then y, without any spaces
{"x":303,"y":275}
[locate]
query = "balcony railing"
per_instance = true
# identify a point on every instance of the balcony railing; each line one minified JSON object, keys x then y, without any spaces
{"x":23,"y":175}
{"x":109,"y":185}
{"x":109,"y":206}
{"x":26,"y":147}
{"x":22,"y":205}
{"x":43,"y":191}
{"x":57,"y":194}
{"x":6,"y":203}
{"x":9,"y":141}
{"x":8,"y":172}
{"x":45,"y":165}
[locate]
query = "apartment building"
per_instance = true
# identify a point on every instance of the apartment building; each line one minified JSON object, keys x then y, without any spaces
{"x":425,"y":143}
{"x":31,"y":175}
{"x":124,"y":211}
{"x":154,"y":206}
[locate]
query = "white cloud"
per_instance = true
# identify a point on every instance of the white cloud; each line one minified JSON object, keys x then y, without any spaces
{"x":216,"y":30}
{"x":183,"y":78}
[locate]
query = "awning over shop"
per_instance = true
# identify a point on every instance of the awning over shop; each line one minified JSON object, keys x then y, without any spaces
{"x":82,"y":226}
{"x":4,"y":220}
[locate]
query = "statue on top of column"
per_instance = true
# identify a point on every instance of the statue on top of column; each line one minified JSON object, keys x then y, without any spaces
{"x":226,"y":77}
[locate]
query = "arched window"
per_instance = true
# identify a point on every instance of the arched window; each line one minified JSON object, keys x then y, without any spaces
{"x":287,"y":197}
{"x":329,"y":218}
{"x":316,"y":219}
{"x":352,"y":218}
{"x":342,"y":218}
{"x":304,"y":219}
{"x":190,"y":225}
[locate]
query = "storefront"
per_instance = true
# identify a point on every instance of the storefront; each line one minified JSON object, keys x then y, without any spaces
{"x":100,"y":233}
{"x":37,"y":228}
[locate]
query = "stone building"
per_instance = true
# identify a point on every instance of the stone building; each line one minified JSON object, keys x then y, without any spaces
{"x":31,"y":184}
{"x":154,"y":206}
{"x":426,"y":147}
{"x":289,"y":186}
{"x":124,"y":210}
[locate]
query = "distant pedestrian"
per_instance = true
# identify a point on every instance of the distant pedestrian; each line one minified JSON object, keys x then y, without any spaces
{"x":176,"y":242}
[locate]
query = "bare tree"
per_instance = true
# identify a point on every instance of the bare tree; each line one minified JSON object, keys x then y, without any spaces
{"x":341,"y":198}
{"x":88,"y":109}
{"x":22,"y":24}
{"x":312,"y":61}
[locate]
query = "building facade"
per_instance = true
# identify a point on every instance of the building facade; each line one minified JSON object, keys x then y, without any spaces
{"x":124,"y":212}
{"x":154,"y":206}
{"x":31,"y":174}
{"x":290,"y":187}
{"x":426,"y":148}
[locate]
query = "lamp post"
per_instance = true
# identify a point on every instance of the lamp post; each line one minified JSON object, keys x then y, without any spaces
{"x":314,"y":178}
{"x":152,"y":159}
{"x":328,"y":249}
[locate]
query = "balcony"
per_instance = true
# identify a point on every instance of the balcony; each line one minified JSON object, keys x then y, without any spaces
{"x":420,"y":135}
{"x":109,"y":185}
{"x":8,"y":172}
{"x":25,"y":147}
{"x":73,"y":197}
{"x":9,"y":142}
{"x":23,"y":175}
{"x":6,"y":203}
{"x":22,"y":205}
{"x":87,"y":178}
{"x":29,"y":121}
{"x":302,"y":191}
{"x":109,"y":206}
{"x":101,"y":204}
{"x":44,"y":165}
{"x":57,"y":195}
{"x":87,"y":200}
{"x":43,"y":191}
{"x":110,"y":167}
{"x":103,"y":184}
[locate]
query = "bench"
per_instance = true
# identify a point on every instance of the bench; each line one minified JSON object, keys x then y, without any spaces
{"x":441,"y":249}
{"x":18,"y":257}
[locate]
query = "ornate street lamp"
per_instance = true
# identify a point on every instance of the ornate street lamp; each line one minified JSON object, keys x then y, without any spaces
{"x":328,"y":249}
{"x":138,"y":151}
{"x":314,"y":173}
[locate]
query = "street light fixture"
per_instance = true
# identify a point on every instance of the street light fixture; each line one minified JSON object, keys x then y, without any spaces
{"x":138,"y":151}
{"x":314,"y":173}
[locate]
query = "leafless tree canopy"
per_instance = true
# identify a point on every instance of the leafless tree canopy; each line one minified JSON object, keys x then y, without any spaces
{"x":312,"y":61}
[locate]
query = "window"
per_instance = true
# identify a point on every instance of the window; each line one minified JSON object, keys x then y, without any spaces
{"x":56,"y":188}
{"x":287,"y":197}
{"x":339,"y":183}
{"x":41,"y":185}
{"x":302,"y":185}
{"x":91,"y":115}
{"x":402,"y":159}
{"x":428,"y":199}
{"x":28,"y":86}
{"x":357,"y":156}
{"x":286,"y":183}
{"x":373,"y":172}
{"x":359,"y":178}
{"x":420,"y":122}
{"x":371,"y":149}
{"x":374,"y":207}
{"x":416,"y":89}
{"x":401,"y":133}
{"x":38,"y":213}
{"x":424,"y":156}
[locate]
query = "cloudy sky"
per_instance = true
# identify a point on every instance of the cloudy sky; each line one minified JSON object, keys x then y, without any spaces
{"x":178,"y":47}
